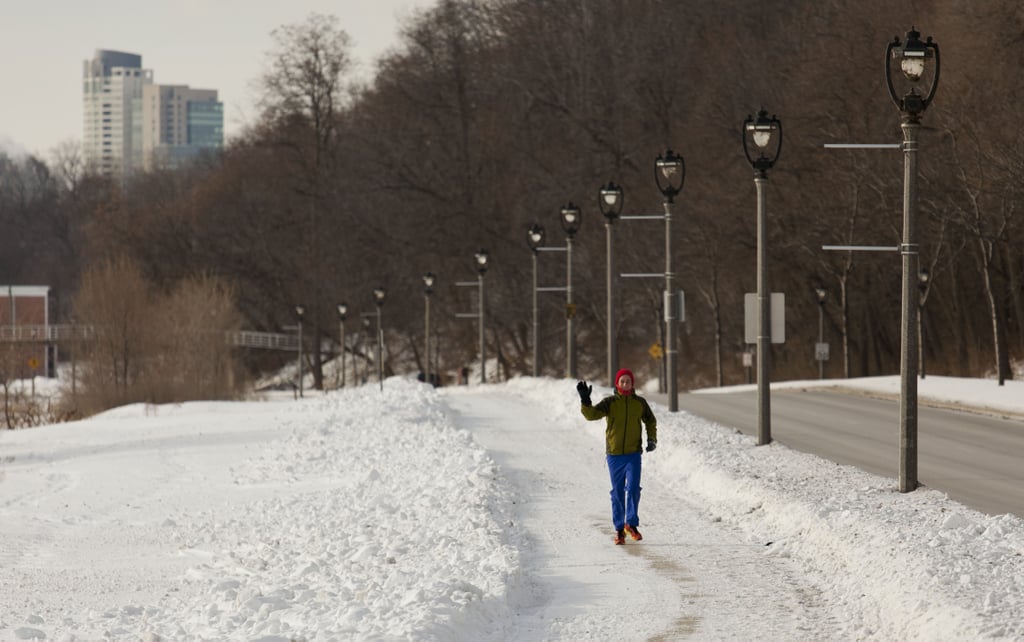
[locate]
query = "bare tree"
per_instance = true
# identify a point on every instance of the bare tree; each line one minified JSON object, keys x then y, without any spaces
{"x":493,"y":113}
{"x":986,"y":215}
{"x":303,"y":97}
{"x":115,"y":299}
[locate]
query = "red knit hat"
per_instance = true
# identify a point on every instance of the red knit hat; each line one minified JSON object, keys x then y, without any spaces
{"x":624,"y":371}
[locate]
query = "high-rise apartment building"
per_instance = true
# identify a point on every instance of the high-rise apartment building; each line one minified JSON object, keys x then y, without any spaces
{"x":112,"y":85}
{"x":132,"y":124}
{"x":178,"y":123}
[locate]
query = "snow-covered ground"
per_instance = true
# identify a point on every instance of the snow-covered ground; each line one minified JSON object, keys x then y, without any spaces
{"x":477,"y":513}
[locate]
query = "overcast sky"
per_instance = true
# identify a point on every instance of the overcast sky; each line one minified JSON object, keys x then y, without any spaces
{"x":206,"y":44}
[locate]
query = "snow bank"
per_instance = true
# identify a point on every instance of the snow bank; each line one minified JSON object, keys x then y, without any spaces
{"x":409,"y":539}
{"x":370,"y":517}
{"x":914,"y":566}
{"x":978,"y":395}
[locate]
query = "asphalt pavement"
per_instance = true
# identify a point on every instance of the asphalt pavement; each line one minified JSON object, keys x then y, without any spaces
{"x":977,"y":459}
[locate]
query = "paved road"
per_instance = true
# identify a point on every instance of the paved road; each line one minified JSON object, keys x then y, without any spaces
{"x":976,"y":459}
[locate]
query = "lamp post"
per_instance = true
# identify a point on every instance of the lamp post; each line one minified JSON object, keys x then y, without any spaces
{"x":428,"y":289}
{"x":379,"y":293}
{"x":570,"y":217}
{"x":535,"y":240}
{"x":822,"y":294}
{"x":366,"y":362}
{"x":610,"y":201}
{"x":300,"y":312}
{"x":766,"y":135}
{"x":922,"y":289}
{"x":669,"y":175}
{"x":481,"y":268}
{"x":342,"y":314}
{"x":915,"y":58}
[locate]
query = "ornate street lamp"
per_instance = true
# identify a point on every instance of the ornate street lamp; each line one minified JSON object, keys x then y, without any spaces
{"x":571,"y":219}
{"x":481,"y":261}
{"x":342,"y":314}
{"x":763,"y":137}
{"x":379,"y":294}
{"x":915,"y":58}
{"x":428,"y":289}
{"x":765,"y":134}
{"x":535,"y":240}
{"x":610,"y":201}
{"x":669,"y":175}
{"x":919,"y":66}
{"x":481,"y":268}
{"x":300,"y":312}
{"x":535,"y":237}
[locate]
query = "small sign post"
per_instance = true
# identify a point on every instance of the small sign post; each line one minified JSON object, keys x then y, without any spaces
{"x":655,"y":351}
{"x":821,"y":351}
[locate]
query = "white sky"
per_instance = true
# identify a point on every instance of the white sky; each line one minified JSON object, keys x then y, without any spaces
{"x":206,"y":44}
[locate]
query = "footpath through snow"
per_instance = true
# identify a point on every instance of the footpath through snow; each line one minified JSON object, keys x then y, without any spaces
{"x":476,"y":513}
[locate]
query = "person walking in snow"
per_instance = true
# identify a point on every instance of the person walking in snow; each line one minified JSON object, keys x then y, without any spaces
{"x":623,"y":412}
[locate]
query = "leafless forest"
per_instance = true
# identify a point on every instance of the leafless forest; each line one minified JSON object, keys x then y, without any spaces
{"x":493,"y":114}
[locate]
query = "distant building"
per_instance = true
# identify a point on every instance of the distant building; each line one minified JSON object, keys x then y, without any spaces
{"x":24,"y":306}
{"x":132,"y":124}
{"x":112,"y":85}
{"x":178,"y":123}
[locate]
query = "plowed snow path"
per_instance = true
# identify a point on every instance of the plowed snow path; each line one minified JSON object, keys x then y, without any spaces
{"x":691,"y":577}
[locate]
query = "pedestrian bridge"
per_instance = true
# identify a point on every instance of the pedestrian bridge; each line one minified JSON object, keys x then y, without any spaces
{"x":68,"y":333}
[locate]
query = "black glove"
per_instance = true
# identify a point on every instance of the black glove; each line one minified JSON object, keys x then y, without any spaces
{"x":584,"y":391}
{"x":651,"y":445}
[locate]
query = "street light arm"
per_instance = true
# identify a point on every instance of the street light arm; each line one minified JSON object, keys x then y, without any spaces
{"x":888,"y":72}
{"x":934,"y":46}
{"x":746,"y":145}
{"x":778,"y":147}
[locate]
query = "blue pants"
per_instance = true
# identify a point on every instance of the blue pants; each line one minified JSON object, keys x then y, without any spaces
{"x":625,"y":475}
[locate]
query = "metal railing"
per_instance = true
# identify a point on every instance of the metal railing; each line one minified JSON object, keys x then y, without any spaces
{"x":68,"y":333}
{"x":45,"y":333}
{"x":265,"y":340}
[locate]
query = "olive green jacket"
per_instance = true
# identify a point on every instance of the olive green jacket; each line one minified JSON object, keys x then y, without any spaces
{"x":623,"y":414}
